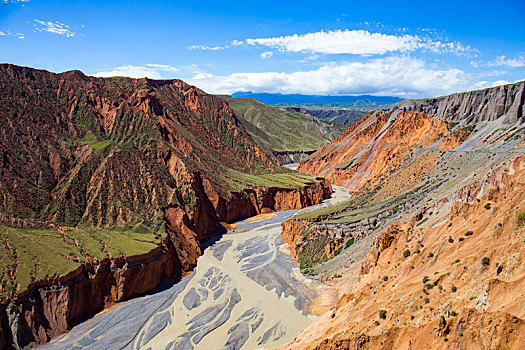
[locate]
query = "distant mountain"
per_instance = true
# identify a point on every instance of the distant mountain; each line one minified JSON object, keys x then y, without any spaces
{"x":292,"y":99}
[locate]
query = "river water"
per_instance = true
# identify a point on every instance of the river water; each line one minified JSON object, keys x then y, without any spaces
{"x":246,"y":292}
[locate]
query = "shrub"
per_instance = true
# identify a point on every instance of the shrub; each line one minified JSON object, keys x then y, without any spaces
{"x":338,"y":250}
{"x":385,"y":278}
{"x":337,"y":275}
{"x":426,"y":279}
{"x":487,"y":206}
{"x":406,"y":253}
{"x":485,"y":261}
{"x":450,"y":239}
{"x":454,"y":289}
{"x":427,"y":300}
{"x":461,"y":239}
{"x":521,"y":218}
{"x":469,"y":233}
{"x":349,"y":242}
{"x":376,"y":323}
{"x":382,"y":314}
{"x":429,"y":285}
{"x":430,"y":255}
{"x":454,"y":313}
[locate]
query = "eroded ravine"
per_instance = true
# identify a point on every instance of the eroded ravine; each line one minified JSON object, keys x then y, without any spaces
{"x":246,"y":292}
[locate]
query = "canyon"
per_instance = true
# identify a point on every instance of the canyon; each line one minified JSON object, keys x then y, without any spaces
{"x":110,"y":187}
{"x":139,"y":213}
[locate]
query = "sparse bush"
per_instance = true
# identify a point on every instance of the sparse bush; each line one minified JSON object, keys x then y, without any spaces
{"x":469,"y":233}
{"x":337,"y":251}
{"x":337,"y":275}
{"x":382,"y":314}
{"x":349,"y":242}
{"x":406,"y":253}
{"x":485,"y":261}
{"x":429,"y":285}
{"x":521,"y":218}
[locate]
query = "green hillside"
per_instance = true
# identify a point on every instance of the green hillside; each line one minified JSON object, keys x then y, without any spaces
{"x":282,"y":129}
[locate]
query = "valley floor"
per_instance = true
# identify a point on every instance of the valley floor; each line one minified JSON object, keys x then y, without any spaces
{"x":245,"y":292}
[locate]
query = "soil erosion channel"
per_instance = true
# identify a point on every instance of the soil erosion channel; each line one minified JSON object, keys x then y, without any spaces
{"x":246,"y":292}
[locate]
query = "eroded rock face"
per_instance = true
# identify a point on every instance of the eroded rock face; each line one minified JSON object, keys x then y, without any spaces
{"x":488,"y":120}
{"x":460,"y":285}
{"x":120,"y":152}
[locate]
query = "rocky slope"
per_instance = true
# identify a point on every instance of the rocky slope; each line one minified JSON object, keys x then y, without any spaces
{"x":288,"y":134}
{"x":454,"y":282}
{"x":109,"y":187}
{"x":341,"y":116}
{"x":489,"y":118}
{"x":437,"y":201}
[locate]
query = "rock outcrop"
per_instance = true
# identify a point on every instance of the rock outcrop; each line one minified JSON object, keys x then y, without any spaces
{"x":489,"y":119}
{"x":87,"y":162}
{"x":454,"y":283}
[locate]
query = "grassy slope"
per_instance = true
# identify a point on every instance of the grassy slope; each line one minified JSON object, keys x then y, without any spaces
{"x":281,"y":129}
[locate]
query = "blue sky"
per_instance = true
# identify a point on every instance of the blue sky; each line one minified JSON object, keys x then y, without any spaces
{"x":397,"y":48}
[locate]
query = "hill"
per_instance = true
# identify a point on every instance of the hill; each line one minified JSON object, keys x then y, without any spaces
{"x":427,"y":252}
{"x":109,"y":187}
{"x":288,"y":134}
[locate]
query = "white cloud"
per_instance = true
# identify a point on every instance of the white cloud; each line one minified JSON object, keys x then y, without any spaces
{"x":356,"y":42}
{"x":266,"y":55}
{"x":54,"y":27}
{"x":208,"y":48}
{"x":392,"y":76}
{"x":163,"y":67}
{"x":487,"y":84}
{"x":14,"y":1}
{"x":509,"y":62}
{"x":20,"y":36}
{"x":150,"y":70}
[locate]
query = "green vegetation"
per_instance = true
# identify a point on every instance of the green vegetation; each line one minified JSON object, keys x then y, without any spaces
{"x":469,"y":233}
{"x":337,"y":251}
{"x":521,"y":218}
{"x":406,"y":253}
{"x":37,"y":253}
{"x":277,"y":177}
{"x":487,"y":206}
{"x":450,"y":239}
{"x":454,"y":289}
{"x":349,"y":242}
{"x":382,"y":314}
{"x":282,"y":129}
{"x":422,"y":222}
{"x":485,"y":261}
